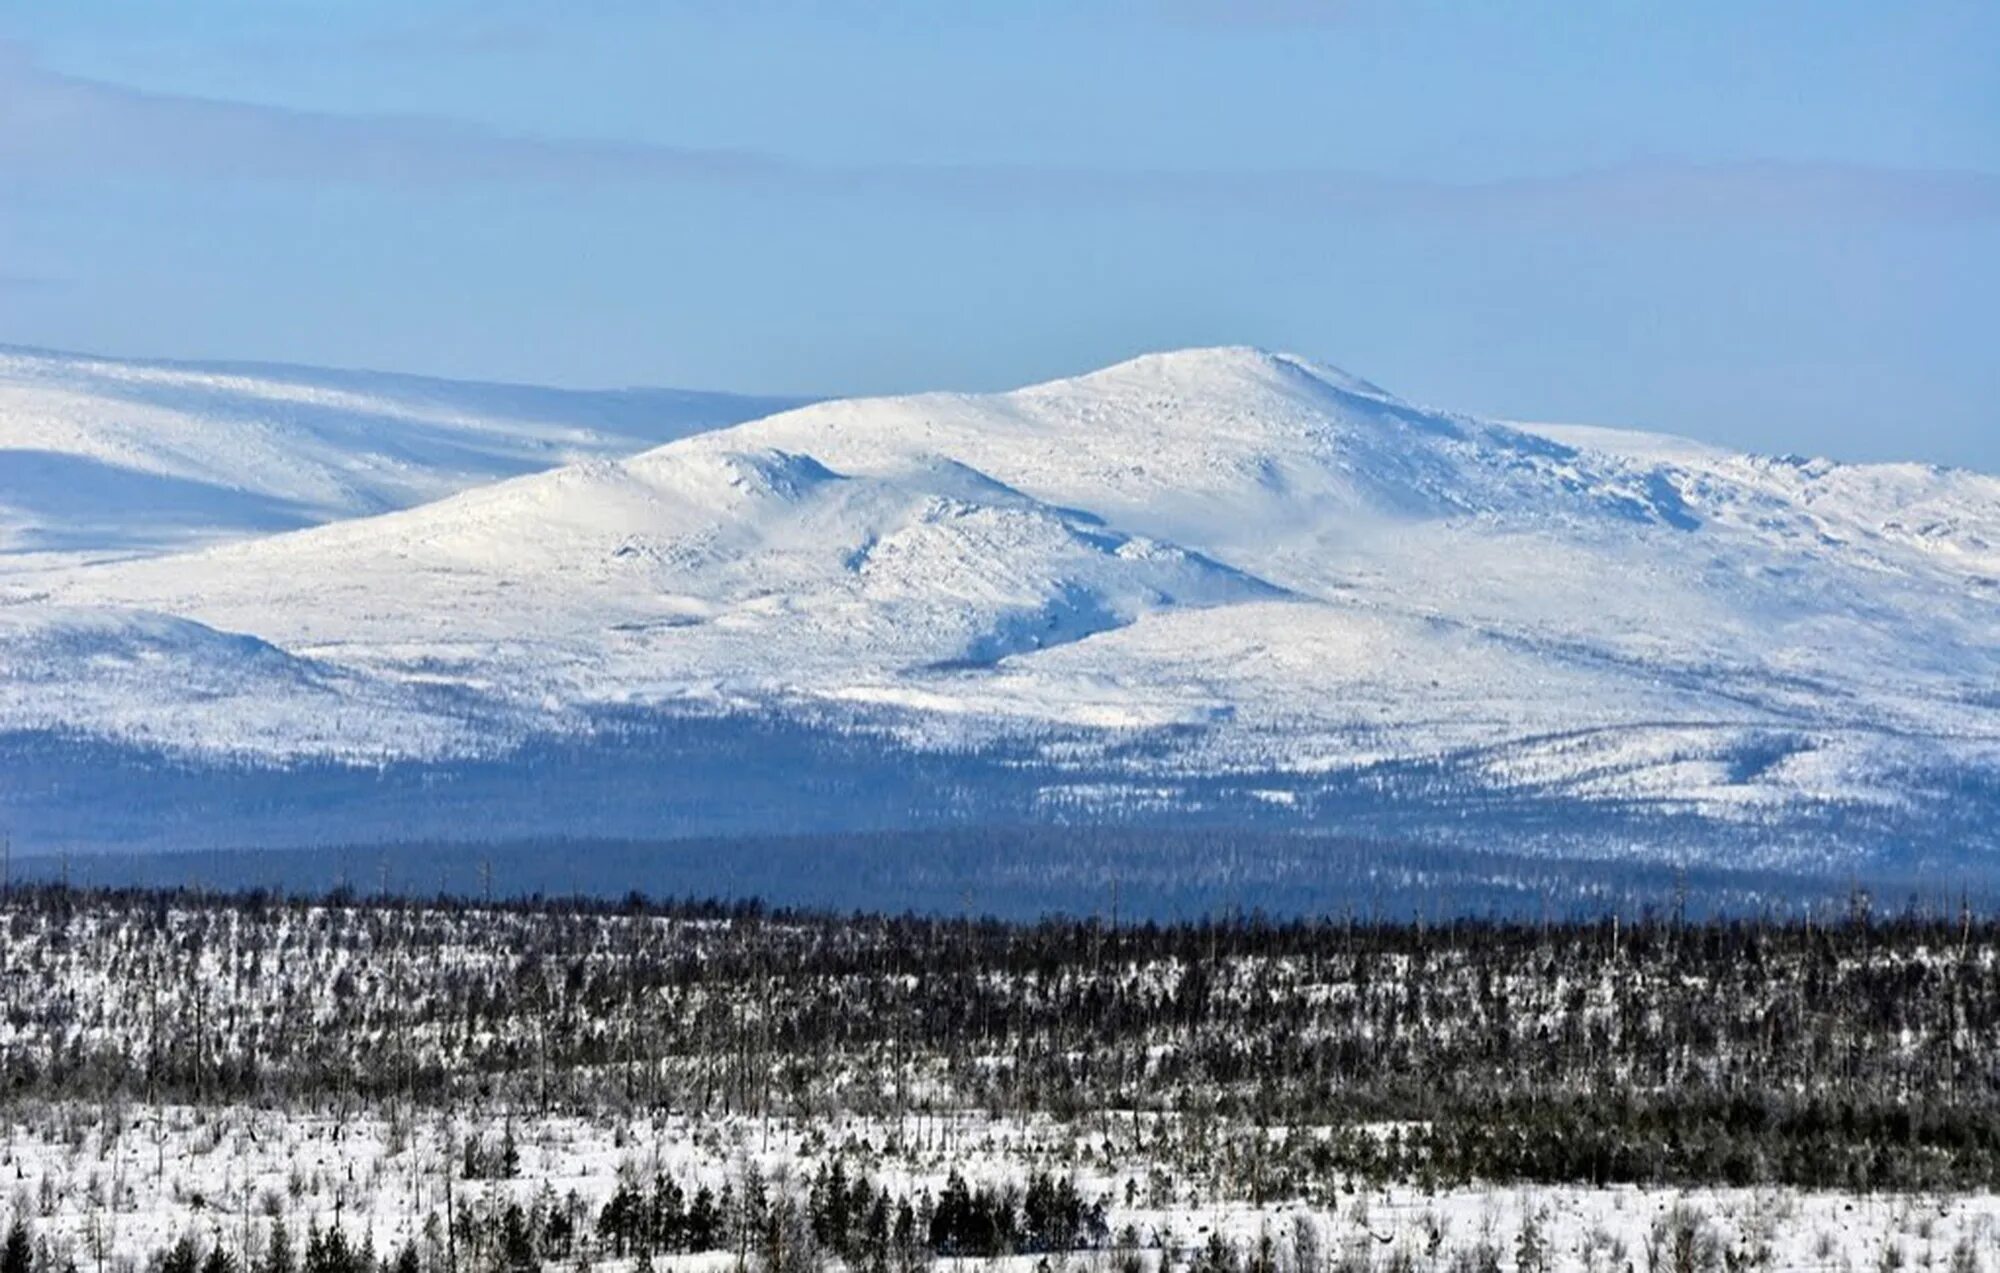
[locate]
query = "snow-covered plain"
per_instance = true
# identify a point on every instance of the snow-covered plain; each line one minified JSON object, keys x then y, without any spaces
{"x":109,"y":1186}
{"x":1259,"y":563}
{"x":179,"y":1064}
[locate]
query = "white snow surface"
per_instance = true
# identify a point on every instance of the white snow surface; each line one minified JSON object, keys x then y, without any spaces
{"x":100,"y":456}
{"x":123,"y":1183}
{"x":1315,"y":574}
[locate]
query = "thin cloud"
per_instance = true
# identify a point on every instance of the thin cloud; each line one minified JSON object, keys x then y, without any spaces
{"x":13,"y":282}
{"x":67,"y":125}
{"x":1257,"y":13}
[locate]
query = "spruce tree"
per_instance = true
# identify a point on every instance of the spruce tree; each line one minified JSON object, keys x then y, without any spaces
{"x":181,"y":1257}
{"x":18,"y":1255}
{"x":278,"y":1254}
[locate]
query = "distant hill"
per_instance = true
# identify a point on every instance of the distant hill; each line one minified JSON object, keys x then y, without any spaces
{"x":1216,"y":584}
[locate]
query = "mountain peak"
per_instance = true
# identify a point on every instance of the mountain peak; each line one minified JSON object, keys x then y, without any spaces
{"x":1226,"y":366}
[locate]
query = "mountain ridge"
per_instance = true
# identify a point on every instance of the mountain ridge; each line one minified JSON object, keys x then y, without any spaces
{"x":1223,"y":569}
{"x":100,"y":455}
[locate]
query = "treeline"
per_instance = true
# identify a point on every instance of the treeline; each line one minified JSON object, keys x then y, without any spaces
{"x":1863,"y":1052}
{"x":867,"y":1226}
{"x":327,"y":1250}
{"x":777,"y":1230}
{"x":771,"y":1225}
{"x":1236,"y":855}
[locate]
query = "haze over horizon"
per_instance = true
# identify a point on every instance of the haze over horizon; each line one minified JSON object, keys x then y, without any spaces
{"x":1775,"y":229}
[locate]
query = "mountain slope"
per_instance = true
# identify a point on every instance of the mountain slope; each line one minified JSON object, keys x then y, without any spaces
{"x":694,"y":570}
{"x":1192,"y":579}
{"x":101,"y":455}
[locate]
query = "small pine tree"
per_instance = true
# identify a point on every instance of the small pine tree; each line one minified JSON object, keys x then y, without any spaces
{"x":278,"y":1256}
{"x":1531,"y":1253}
{"x":18,"y":1255}
{"x":182,"y":1257}
{"x":517,"y":1243}
{"x":316,"y":1260}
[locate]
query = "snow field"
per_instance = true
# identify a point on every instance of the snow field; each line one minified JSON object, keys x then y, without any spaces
{"x":110,"y":1185}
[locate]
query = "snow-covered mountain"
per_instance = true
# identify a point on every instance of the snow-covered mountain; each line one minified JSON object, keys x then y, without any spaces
{"x":103,"y":456}
{"x":1207,"y":580}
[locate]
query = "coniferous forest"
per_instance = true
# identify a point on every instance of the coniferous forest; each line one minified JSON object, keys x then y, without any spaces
{"x":514,"y":1084}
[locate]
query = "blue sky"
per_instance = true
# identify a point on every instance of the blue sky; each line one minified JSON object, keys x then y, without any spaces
{"x":1775,"y":225}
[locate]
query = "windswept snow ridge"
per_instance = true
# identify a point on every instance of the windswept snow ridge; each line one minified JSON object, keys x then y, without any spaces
{"x":1185,"y":567}
{"x":101,"y":456}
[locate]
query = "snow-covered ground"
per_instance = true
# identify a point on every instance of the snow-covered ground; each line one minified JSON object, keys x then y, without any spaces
{"x":110,"y":1185}
{"x":180,"y":1064}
